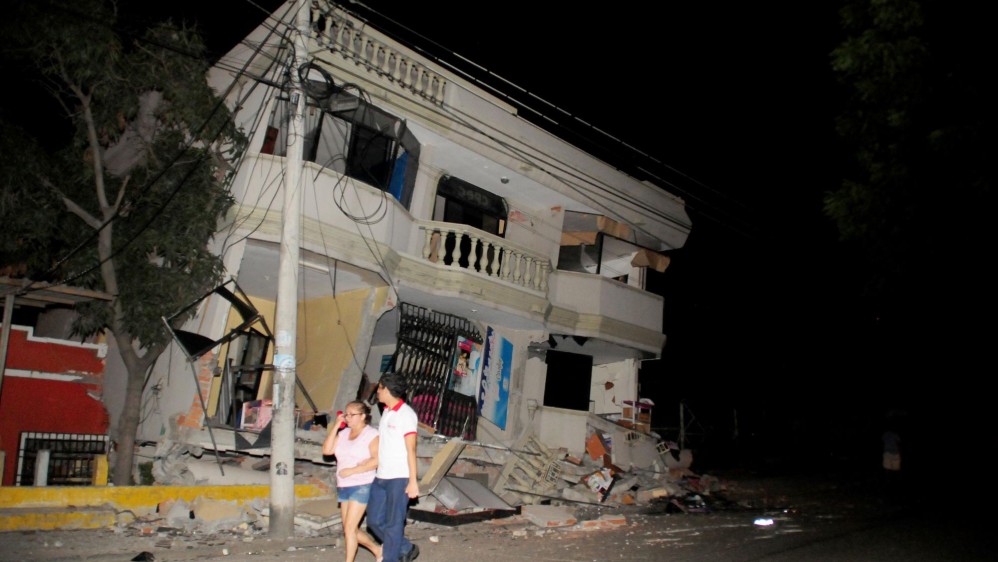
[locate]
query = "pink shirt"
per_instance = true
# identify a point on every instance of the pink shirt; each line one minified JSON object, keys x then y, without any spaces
{"x":351,"y":452}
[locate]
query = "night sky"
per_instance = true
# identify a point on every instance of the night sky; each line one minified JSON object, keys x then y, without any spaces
{"x":766,"y":315}
{"x":738,"y":108}
{"x":773,"y":338}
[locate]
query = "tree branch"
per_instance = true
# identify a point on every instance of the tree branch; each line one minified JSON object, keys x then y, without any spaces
{"x":95,"y":147}
{"x":72,"y":205}
{"x":133,"y":146}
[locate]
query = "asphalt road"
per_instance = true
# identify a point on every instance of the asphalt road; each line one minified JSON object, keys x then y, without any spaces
{"x":812,"y":519}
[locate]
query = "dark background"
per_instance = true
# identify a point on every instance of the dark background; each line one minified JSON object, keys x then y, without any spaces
{"x":777,"y":353}
{"x":734,"y":107}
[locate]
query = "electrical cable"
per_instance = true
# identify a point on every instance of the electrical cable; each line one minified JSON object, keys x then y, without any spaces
{"x":340,"y":200}
{"x":521,"y":155}
{"x":594,"y":200}
{"x":117,"y":213}
{"x":703,"y":210}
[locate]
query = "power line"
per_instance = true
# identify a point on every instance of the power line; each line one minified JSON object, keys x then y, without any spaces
{"x":220,"y":103}
{"x":704,"y":208}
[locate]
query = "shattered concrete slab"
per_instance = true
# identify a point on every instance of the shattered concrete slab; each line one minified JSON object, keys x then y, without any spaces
{"x":549,"y":515}
{"x":607,"y":521}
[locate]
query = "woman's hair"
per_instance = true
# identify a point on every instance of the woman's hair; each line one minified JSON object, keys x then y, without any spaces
{"x":358,"y":405}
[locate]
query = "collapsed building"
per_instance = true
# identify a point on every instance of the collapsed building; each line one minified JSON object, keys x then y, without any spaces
{"x":500,"y":269}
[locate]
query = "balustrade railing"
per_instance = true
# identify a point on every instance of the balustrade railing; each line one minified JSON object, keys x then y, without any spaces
{"x":460,"y":246}
{"x":347,"y":37}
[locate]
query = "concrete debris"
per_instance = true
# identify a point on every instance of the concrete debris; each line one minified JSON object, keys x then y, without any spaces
{"x":549,"y":515}
{"x":169,"y":466}
{"x":319,"y":514}
{"x":533,"y":472}
{"x":310,"y":521}
{"x":327,"y":508}
{"x":608,"y":521}
{"x":615,"y":468}
{"x":214,"y":515}
{"x":206,"y":473}
{"x":537,"y":474}
{"x":179,"y":515}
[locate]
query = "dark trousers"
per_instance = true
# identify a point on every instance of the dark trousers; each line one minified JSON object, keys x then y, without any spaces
{"x":386,"y":516}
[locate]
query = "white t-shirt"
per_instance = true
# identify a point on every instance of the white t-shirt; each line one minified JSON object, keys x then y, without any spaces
{"x":396,"y":423}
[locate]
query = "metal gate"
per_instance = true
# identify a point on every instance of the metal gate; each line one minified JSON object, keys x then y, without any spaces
{"x":425,"y":357}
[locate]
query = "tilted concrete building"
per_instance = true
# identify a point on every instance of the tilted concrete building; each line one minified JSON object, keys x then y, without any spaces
{"x":498,"y":267}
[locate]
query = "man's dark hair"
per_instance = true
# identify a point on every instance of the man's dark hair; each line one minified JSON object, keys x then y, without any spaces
{"x":395,"y":384}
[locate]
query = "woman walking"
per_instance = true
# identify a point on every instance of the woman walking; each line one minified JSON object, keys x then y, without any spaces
{"x":356,"y":451}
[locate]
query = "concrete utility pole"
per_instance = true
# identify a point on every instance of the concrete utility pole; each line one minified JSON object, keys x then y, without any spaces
{"x":282,"y":459}
{"x":8,"y":316}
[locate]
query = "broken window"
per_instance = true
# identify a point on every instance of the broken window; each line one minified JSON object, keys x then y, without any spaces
{"x":597,"y":245}
{"x":352,"y":137}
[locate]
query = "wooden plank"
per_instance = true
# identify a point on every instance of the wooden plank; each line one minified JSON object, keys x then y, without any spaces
{"x":440,"y":464}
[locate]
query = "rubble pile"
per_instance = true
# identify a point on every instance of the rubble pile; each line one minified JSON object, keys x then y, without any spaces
{"x":535,"y":478}
{"x":463,"y":481}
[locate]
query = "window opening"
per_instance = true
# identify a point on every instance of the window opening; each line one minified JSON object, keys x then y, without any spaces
{"x":569,"y":377}
{"x":460,"y":202}
{"x":371,"y":156}
{"x":355,"y":139}
{"x":72,"y":457}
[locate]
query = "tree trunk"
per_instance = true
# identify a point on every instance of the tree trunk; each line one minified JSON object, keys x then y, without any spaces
{"x":128,"y":421}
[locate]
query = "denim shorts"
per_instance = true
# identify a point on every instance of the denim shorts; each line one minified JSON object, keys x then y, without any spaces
{"x":359,"y":494}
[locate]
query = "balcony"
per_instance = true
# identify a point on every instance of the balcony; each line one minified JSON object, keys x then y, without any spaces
{"x":352,"y":40}
{"x":480,"y":253}
{"x":449,"y":266}
{"x":427,"y":254}
{"x":601,"y":307}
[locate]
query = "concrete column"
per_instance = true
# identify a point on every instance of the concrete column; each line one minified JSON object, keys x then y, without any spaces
{"x":42,"y":467}
{"x":100,"y":470}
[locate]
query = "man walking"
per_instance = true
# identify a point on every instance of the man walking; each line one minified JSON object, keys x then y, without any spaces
{"x":395,"y":483}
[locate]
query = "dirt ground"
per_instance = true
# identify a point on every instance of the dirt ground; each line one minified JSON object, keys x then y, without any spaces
{"x":687,"y":530}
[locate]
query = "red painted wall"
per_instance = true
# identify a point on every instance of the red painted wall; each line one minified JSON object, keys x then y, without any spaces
{"x":39,"y":404}
{"x":50,"y":356}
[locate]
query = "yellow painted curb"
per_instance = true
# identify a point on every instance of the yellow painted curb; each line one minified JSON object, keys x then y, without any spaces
{"x":137,"y":497}
{"x":92,"y":507}
{"x":50,"y":518}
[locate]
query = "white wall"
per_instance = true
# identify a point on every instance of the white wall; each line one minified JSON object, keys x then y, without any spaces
{"x":557,"y":427}
{"x":171,"y":390}
{"x":623,"y":380}
{"x":538,"y":230}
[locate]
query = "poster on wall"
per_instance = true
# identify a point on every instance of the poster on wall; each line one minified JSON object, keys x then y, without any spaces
{"x":467,"y":363}
{"x":493,"y":391}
